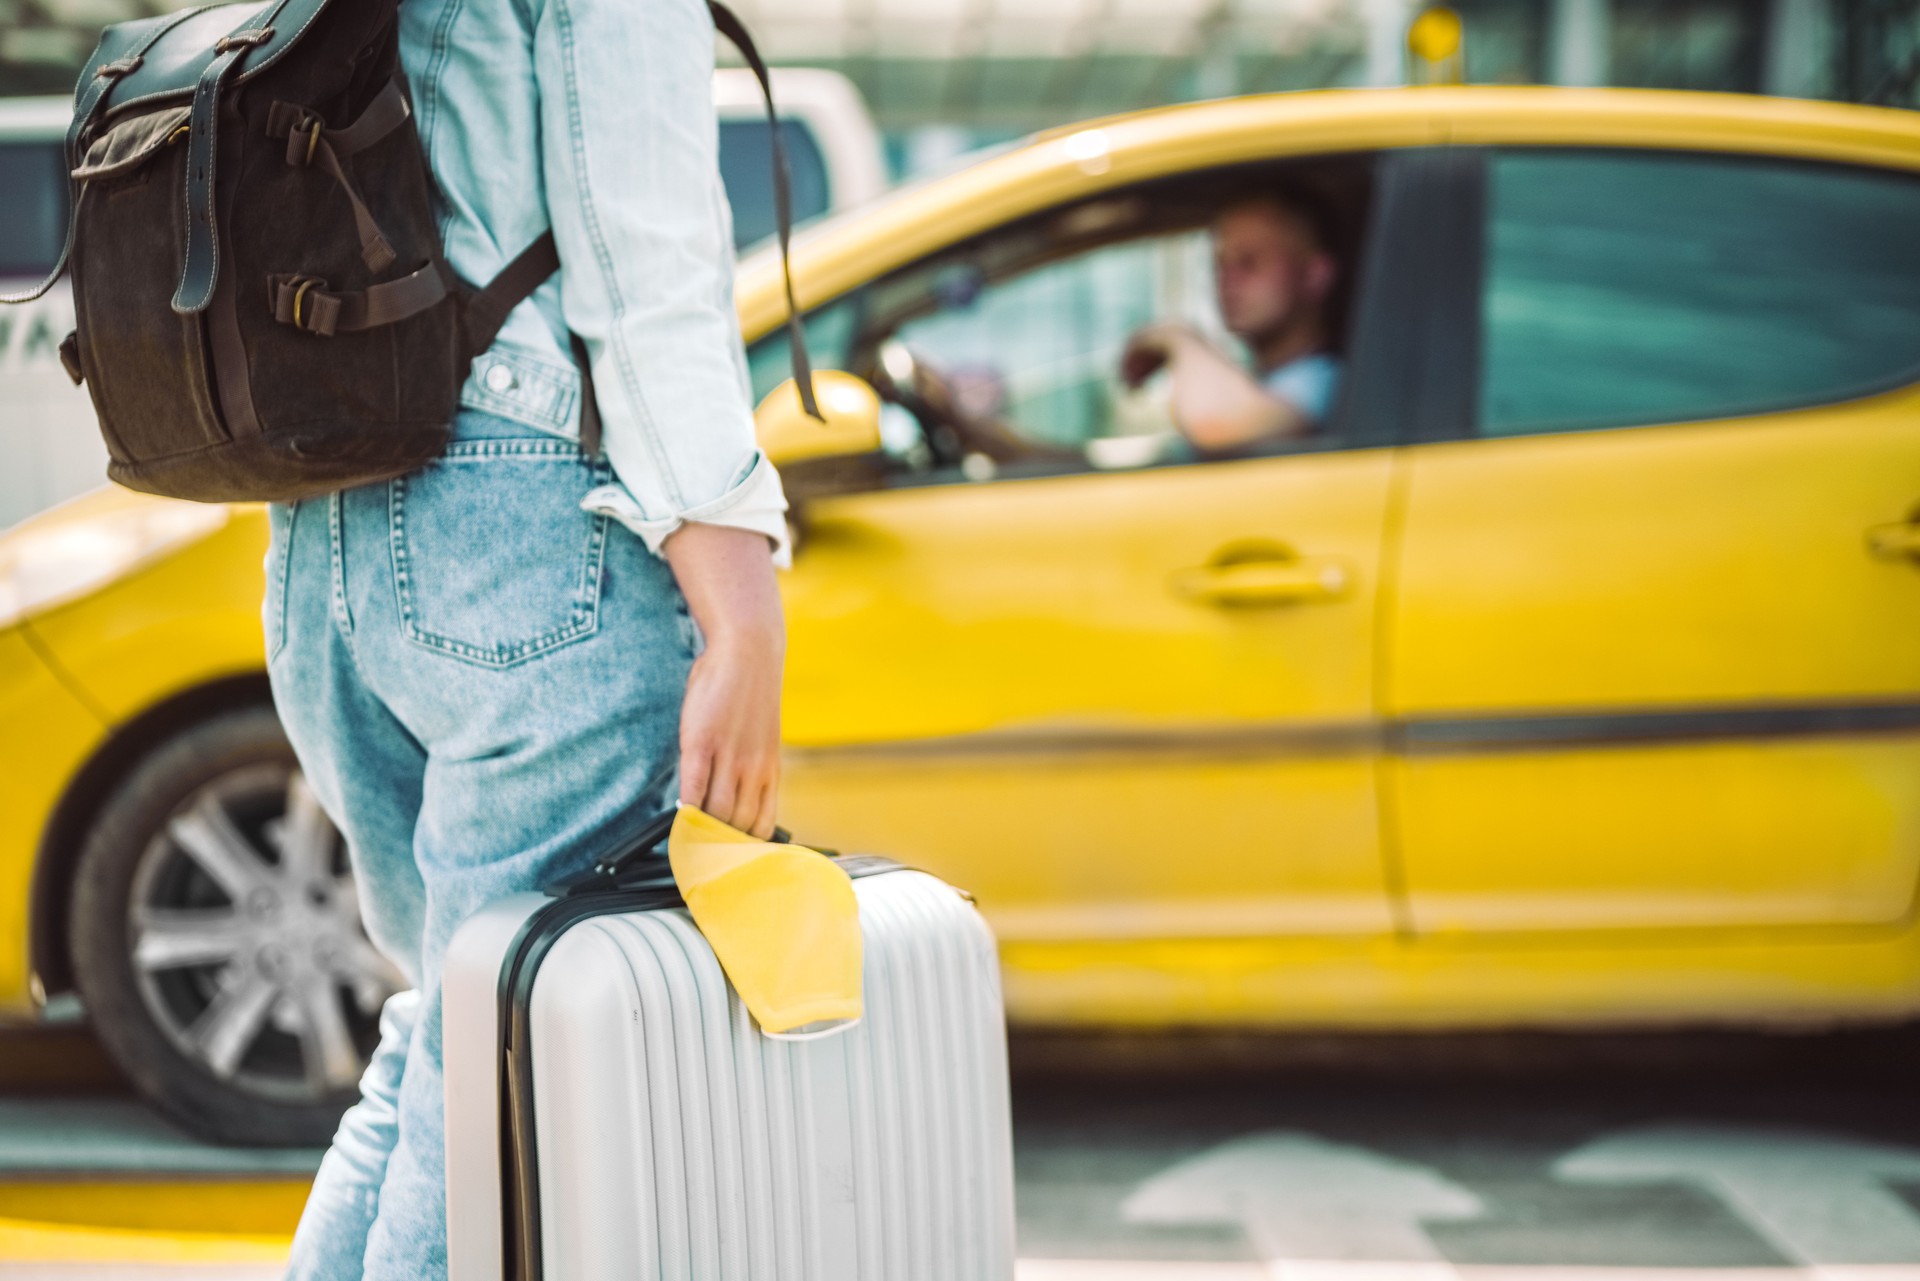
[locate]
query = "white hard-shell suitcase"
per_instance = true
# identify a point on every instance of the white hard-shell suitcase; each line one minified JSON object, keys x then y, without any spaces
{"x":614,"y":1114}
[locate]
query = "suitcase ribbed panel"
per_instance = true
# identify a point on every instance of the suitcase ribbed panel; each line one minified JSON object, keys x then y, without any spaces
{"x":676,"y":1142}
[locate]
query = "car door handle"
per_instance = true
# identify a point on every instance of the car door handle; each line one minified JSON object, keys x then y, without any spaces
{"x":1264,"y":582}
{"x":1895,"y":542}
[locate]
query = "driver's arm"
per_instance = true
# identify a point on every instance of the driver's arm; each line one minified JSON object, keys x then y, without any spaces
{"x":987,"y":434}
{"x":1216,"y":404}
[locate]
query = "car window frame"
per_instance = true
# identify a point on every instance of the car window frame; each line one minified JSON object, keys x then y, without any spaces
{"x":1466,"y":301}
{"x":1415,"y":354}
{"x":1408,"y":262}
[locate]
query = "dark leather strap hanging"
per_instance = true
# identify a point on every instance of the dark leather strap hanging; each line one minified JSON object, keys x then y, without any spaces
{"x":730,"y":26}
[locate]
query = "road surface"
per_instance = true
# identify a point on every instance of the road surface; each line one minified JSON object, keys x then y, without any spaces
{"x":1708,"y":1157}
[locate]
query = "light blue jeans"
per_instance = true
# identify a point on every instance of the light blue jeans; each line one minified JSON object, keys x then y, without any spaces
{"x":483,"y":684}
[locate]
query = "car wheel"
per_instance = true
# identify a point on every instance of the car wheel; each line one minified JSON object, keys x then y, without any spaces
{"x":217,"y":943}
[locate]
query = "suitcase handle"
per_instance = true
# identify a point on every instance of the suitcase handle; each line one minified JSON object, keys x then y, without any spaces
{"x":609,"y":870}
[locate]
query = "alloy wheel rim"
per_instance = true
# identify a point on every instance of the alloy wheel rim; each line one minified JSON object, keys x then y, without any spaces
{"x":246,"y":943}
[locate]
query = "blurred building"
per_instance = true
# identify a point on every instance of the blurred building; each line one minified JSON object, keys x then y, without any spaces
{"x":942,"y":75}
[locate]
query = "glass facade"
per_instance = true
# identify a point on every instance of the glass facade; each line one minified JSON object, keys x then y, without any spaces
{"x":996,"y":70}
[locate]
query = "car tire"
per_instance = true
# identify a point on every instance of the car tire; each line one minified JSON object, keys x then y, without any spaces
{"x":216,"y":939}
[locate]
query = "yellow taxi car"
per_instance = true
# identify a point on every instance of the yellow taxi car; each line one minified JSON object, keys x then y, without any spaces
{"x":1568,"y":676}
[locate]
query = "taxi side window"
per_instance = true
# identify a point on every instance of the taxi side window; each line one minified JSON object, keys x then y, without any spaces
{"x":1039,"y":352}
{"x":1637,"y":288}
{"x":830,"y":333}
{"x":33,"y":207}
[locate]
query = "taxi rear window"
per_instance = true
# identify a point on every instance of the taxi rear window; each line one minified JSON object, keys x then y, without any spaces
{"x":33,"y":207}
{"x":746,"y":166}
{"x":1625,"y":288}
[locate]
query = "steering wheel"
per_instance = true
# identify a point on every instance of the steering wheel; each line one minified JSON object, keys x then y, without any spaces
{"x":914,"y":383}
{"x":908,"y":380}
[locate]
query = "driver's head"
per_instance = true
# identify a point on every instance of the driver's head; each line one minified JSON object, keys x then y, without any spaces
{"x":1272,"y":268}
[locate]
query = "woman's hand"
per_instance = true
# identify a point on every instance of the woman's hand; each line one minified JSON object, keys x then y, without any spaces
{"x":730,"y":719}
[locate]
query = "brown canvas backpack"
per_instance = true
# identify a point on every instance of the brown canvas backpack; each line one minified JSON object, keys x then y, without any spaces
{"x":263,"y":309}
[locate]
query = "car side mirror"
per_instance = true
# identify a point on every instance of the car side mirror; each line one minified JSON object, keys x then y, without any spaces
{"x":788,"y":434}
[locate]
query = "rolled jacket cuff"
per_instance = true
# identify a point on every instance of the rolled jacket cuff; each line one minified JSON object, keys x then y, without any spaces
{"x":756,"y":501}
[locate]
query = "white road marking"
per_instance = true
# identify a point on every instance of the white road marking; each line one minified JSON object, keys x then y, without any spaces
{"x":1172,"y":1270}
{"x":1819,"y":1199}
{"x":1313,"y":1209}
{"x":1135,"y":1270}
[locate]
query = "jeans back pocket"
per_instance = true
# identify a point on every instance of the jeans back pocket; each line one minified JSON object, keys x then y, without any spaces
{"x":494,"y":563}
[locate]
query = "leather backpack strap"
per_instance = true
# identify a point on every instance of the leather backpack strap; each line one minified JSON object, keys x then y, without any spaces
{"x":202,"y":266}
{"x":305,"y":302}
{"x":310,"y":144}
{"x":589,"y":403}
{"x":487,"y":310}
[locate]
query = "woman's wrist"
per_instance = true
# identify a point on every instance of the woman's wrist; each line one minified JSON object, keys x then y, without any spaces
{"x":727,"y":576}
{"x":730,"y":714}
{"x":749,"y":635}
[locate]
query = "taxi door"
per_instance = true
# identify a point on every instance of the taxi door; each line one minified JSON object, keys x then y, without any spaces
{"x":1652,"y":657}
{"x":1131,"y":710}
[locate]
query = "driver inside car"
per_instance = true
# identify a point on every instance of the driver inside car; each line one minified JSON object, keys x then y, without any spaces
{"x":1273,"y":274}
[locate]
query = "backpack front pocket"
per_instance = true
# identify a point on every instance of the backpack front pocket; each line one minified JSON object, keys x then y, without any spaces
{"x":149,"y":369}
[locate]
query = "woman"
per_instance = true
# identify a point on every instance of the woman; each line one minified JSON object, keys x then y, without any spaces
{"x":494,"y":668}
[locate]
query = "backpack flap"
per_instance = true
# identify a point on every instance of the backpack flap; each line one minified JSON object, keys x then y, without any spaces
{"x":151,"y":60}
{"x":188,"y":57}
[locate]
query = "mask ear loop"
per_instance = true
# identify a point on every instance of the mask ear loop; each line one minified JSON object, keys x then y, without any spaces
{"x":812,"y":1031}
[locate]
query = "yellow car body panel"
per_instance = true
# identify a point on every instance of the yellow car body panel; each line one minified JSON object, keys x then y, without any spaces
{"x":50,"y":733}
{"x":1711,"y":569}
{"x":1162,"y":838}
{"x":1037,"y":714}
{"x":1614,"y":979}
{"x":169,"y":626}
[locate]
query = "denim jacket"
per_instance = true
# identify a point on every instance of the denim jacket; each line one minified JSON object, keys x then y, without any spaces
{"x":596,"y":116}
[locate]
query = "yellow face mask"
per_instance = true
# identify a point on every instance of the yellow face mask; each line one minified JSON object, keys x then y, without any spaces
{"x":782,"y":919}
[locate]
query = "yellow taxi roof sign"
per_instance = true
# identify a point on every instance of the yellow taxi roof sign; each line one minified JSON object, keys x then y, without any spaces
{"x":1435,"y":34}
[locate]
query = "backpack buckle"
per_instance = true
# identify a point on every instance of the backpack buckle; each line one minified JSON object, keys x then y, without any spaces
{"x":304,"y":303}
{"x":303,"y":139}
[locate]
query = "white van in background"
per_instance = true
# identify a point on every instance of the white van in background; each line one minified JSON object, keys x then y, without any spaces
{"x":834,"y":154}
{"x":50,"y":448}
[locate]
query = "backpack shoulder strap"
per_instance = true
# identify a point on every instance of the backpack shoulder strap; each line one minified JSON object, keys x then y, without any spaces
{"x":487,"y":307}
